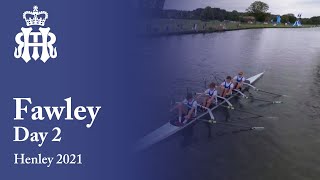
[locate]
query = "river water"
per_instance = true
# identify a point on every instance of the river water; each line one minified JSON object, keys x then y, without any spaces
{"x":289,"y":146}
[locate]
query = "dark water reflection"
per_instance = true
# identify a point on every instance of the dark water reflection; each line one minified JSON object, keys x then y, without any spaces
{"x":289,"y":147}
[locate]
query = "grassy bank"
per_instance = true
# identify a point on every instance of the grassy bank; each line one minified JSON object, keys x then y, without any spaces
{"x":180,"y":26}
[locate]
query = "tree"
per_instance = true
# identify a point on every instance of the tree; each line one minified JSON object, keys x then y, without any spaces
{"x":288,"y":18}
{"x":291,"y":18}
{"x":207,"y":14}
{"x":235,"y":16}
{"x":315,"y":20}
{"x":221,"y":14}
{"x":258,"y":9}
{"x":284,"y":19}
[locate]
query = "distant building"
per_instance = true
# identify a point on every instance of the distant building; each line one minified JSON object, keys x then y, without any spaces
{"x":248,"y":19}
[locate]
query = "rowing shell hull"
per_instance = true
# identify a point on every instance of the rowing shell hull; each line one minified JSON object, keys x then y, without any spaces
{"x":168,"y":129}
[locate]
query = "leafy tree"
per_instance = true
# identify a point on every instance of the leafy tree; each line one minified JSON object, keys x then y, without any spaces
{"x":288,"y":18}
{"x":292,"y":19}
{"x":284,"y":19}
{"x":207,"y":14}
{"x":197,"y":13}
{"x":259,"y":9}
{"x":233,"y":16}
{"x":315,"y":20}
{"x":219,"y":14}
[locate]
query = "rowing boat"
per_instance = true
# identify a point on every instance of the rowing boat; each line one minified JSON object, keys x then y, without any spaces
{"x":169,"y":129}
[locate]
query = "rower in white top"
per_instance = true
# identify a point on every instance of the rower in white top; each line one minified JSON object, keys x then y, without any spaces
{"x":226,"y":87}
{"x":187,"y":108}
{"x":211,"y":95}
{"x":239,"y":81}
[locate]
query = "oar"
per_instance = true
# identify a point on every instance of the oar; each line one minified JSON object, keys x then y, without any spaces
{"x":248,"y":112}
{"x":245,"y":128}
{"x":267,"y":92}
{"x":227,"y":101}
{"x":260,"y":90}
{"x":264,"y":100}
{"x":250,"y":85}
{"x":198,"y":95}
{"x":258,"y":115}
{"x":214,"y":77}
{"x":218,"y":78}
{"x":205,"y":82}
{"x":241,"y":93}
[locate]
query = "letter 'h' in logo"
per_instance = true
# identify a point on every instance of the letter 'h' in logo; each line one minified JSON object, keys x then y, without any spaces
{"x":35,"y":18}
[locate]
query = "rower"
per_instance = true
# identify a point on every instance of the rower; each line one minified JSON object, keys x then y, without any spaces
{"x":226,"y":87}
{"x":211,"y":95}
{"x":239,"y":80}
{"x":188,"y":108}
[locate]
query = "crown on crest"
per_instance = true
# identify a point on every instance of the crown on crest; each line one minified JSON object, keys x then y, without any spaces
{"x":36,"y":17}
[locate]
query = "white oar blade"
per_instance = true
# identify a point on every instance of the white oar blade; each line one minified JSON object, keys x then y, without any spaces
{"x":277,"y":102}
{"x":258,"y":128}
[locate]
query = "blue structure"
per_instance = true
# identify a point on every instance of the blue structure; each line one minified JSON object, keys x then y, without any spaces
{"x":278,"y":19}
{"x":298,"y":22}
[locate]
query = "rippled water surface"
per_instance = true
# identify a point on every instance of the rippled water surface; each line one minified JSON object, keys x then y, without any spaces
{"x":288,"y":148}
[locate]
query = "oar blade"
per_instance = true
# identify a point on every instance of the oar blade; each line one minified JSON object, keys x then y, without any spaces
{"x":277,"y":102}
{"x":258,"y":128}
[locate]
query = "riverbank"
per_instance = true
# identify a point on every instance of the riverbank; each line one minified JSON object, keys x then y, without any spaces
{"x":164,"y":27}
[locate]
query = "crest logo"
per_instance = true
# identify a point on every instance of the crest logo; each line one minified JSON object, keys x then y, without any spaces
{"x":35,"y":18}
